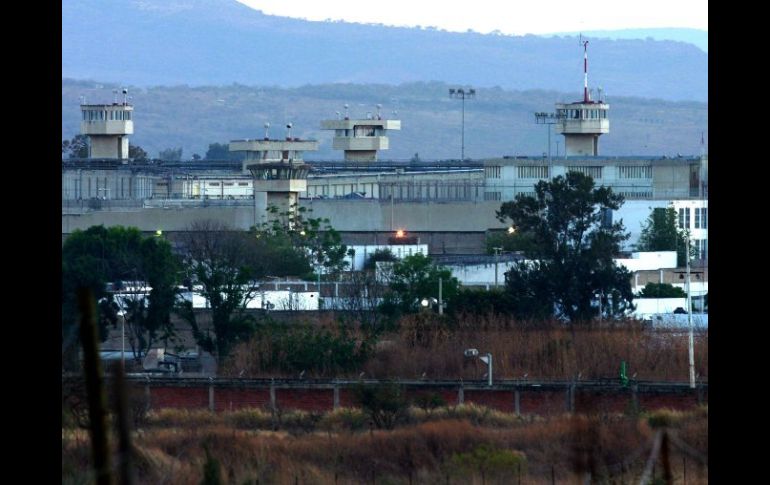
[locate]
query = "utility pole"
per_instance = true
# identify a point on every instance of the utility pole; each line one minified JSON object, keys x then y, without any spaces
{"x":497,"y":261}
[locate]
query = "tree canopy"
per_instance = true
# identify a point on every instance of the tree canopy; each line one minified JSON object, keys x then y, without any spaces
{"x":661,"y":233}
{"x":99,"y":255}
{"x":77,"y":147}
{"x":570,"y":258}
{"x":416,"y":277}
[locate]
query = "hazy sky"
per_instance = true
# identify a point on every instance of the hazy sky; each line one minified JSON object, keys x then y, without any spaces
{"x":508,"y":16}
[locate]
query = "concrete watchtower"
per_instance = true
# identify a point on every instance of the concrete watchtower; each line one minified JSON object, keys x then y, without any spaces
{"x":107,"y":127}
{"x":360,"y":138}
{"x":279,"y":172}
{"x":583,"y":122}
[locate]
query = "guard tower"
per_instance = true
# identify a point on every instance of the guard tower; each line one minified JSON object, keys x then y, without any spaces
{"x":107,"y":127}
{"x":360,"y":138}
{"x":279,"y":172}
{"x":584,"y":121}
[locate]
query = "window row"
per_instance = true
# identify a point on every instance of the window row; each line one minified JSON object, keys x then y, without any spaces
{"x":105,"y":115}
{"x":583,"y":114}
{"x":593,"y":172}
{"x":701,"y":218}
{"x":537,"y":172}
{"x":492,"y":172}
{"x":638,"y":172}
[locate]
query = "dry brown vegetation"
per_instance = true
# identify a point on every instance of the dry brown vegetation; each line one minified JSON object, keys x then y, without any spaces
{"x":612,"y":448}
{"x":427,"y":344}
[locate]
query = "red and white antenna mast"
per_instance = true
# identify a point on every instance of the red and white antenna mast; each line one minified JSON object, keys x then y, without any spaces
{"x":586,"y":99}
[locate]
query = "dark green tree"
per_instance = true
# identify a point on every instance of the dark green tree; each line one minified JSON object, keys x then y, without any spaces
{"x":171,"y":154}
{"x":99,"y":255}
{"x":218,"y":151}
{"x":661,"y":290}
{"x":379,"y":255}
{"x":662,"y":233}
{"x":571,"y":259}
{"x":385,"y":404}
{"x":75,"y":148}
{"x":414,"y":278}
{"x":137,"y":153}
{"x":220,"y":262}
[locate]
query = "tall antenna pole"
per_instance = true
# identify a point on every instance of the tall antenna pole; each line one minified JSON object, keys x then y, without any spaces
{"x":585,"y":71}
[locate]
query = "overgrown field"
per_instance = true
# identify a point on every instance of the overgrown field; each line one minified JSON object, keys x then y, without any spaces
{"x":426,"y":345}
{"x":464,"y":444}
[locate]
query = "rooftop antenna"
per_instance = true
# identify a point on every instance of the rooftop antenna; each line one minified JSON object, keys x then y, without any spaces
{"x":586,"y":98}
{"x":379,"y":107}
{"x":288,"y":131}
{"x":125,"y":96}
{"x":267,"y":130}
{"x":346,"y":111}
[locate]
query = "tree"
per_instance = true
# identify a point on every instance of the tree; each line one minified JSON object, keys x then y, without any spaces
{"x":571,"y":259}
{"x":99,"y":255}
{"x":171,"y":154}
{"x":414,"y":278}
{"x":137,"y":153}
{"x":75,"y":148}
{"x":661,"y":290}
{"x":379,"y":255}
{"x":662,"y":233}
{"x":220,"y":261}
{"x":218,"y":151}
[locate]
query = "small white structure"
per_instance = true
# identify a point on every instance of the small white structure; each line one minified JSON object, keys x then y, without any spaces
{"x":648,"y":260}
{"x":361,"y":138}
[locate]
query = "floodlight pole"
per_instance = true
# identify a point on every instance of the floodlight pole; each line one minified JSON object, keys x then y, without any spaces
{"x":489,"y":374}
{"x":462,"y":94}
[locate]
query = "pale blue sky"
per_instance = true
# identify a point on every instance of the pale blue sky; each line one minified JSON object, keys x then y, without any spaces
{"x":508,"y":16}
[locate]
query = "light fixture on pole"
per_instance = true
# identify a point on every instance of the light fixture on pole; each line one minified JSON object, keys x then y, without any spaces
{"x":122,"y":314}
{"x":487,"y":359}
{"x":462,"y":93}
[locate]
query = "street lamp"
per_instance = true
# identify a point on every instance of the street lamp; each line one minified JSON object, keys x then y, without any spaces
{"x":122,"y":314}
{"x":461,"y":93}
{"x":487,"y":359}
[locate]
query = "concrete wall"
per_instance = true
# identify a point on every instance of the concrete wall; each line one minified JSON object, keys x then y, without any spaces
{"x":319,"y":396}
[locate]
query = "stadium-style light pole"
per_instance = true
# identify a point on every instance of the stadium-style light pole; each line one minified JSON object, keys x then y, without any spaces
{"x":462,"y":93}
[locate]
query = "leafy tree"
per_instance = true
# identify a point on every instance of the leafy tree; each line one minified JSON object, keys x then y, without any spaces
{"x":75,"y":148}
{"x":220,"y":261}
{"x":414,"y":278}
{"x":379,"y":255}
{"x":571,"y":259}
{"x":662,"y":233}
{"x":171,"y":154}
{"x":661,"y":290}
{"x":218,"y":151}
{"x":137,"y":153}
{"x":385,"y":404}
{"x":315,"y":236}
{"x":99,"y":255}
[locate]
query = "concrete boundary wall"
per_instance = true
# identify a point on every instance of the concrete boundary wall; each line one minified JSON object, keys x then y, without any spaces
{"x":519,"y":397}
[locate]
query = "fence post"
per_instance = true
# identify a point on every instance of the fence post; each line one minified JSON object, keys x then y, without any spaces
{"x":460,"y":395}
{"x":517,"y":401}
{"x":336,"y":396}
{"x":272,"y":395}
{"x":211,"y":394}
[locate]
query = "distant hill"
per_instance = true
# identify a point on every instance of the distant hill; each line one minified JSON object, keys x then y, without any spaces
{"x":216,"y":42}
{"x":497,"y":122}
{"x":697,"y":37}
